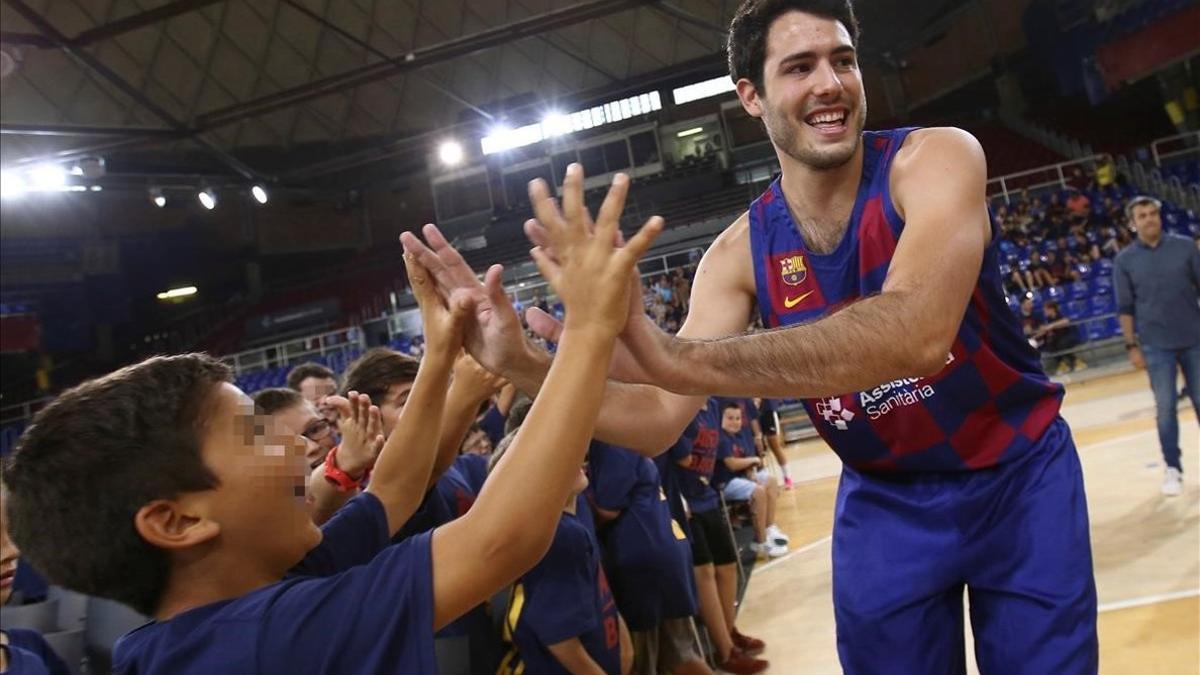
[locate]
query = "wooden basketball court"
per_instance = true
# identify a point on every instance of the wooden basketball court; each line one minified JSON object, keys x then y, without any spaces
{"x":1146,"y":546}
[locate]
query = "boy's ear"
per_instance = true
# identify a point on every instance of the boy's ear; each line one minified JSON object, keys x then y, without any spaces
{"x":169,"y":524}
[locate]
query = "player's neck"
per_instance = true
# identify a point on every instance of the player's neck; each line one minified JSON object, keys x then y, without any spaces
{"x":207,"y":579}
{"x":812,"y":191}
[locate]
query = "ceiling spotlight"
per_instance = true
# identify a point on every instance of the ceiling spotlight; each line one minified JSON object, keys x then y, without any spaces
{"x":157,"y":197}
{"x":12,"y":185}
{"x":451,"y":153}
{"x":208,"y":198}
{"x":259,"y":193}
{"x":174,"y":293}
{"x":48,"y":177}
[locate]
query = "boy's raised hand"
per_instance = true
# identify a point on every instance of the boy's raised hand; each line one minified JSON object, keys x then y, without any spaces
{"x":443,"y":319}
{"x":361,"y":429}
{"x":590,"y":274}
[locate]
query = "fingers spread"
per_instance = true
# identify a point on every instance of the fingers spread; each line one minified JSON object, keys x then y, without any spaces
{"x":609,"y":218}
{"x":572,"y":195}
{"x":640,"y":243}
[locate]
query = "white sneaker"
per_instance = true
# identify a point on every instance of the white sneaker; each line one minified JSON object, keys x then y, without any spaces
{"x":1172,"y":482}
{"x":768,"y":549}
{"x":776,"y":535}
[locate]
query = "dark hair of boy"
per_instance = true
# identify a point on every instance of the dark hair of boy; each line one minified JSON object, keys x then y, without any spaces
{"x":145,"y":446}
{"x":378,"y":370}
{"x":271,"y":401}
{"x":747,"y":43}
{"x":306,"y":370}
{"x":516,"y":416}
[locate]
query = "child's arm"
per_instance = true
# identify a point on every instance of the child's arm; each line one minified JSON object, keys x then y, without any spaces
{"x":572,"y":656}
{"x":471,"y":386}
{"x":362,"y":438}
{"x":401,"y":475}
{"x":514,"y":518}
{"x":738,"y":464}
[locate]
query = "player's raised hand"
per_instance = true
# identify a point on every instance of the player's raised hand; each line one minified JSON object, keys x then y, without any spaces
{"x":494,"y":337}
{"x":589,"y":271}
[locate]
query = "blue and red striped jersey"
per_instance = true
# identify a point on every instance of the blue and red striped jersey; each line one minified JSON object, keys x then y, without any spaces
{"x":989,"y":404}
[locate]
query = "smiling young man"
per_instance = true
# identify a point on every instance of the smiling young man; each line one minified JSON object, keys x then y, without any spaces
{"x":873,"y":260}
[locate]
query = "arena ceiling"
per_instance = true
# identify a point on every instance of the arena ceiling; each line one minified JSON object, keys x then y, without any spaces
{"x":223,"y":80}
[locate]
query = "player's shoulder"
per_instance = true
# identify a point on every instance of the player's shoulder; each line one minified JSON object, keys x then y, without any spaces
{"x":736,"y":235}
{"x":936,"y":144}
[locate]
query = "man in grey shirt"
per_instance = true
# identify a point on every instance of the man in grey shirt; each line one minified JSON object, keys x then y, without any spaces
{"x":1158,"y":300}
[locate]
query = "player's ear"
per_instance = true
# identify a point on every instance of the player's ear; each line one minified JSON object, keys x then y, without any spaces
{"x":748,"y":95}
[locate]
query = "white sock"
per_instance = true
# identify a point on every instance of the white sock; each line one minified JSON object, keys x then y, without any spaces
{"x":783,"y":468}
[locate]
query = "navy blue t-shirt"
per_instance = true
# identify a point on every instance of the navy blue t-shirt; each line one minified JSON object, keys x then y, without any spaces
{"x":565,"y":596}
{"x":450,"y":498}
{"x":493,"y":424}
{"x":728,"y":446}
{"x":695,"y":481}
{"x":474,"y":469}
{"x":646,"y":553}
{"x":30,"y":653}
{"x":355,"y":534}
{"x":371,"y":618}
{"x":668,"y":474}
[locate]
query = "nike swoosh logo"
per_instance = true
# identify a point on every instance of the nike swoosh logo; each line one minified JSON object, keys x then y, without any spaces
{"x":792,"y":302}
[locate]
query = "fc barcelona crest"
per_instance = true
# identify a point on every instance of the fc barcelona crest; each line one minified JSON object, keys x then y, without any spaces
{"x":792,"y":270}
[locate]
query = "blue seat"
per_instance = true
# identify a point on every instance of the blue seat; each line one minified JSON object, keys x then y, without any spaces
{"x":1103,"y":303}
{"x":1080,"y":290}
{"x":1076,"y":309}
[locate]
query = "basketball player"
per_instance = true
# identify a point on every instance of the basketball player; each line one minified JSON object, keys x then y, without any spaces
{"x":878,"y":250}
{"x":772,"y":430}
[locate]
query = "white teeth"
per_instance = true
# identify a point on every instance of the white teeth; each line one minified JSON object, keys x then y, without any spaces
{"x":827,"y":117}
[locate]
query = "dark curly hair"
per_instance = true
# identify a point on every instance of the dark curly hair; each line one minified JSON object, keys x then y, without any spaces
{"x":95,"y":456}
{"x":747,"y":46}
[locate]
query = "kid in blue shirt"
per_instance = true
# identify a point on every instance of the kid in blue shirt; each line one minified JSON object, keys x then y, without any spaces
{"x":647,"y":557}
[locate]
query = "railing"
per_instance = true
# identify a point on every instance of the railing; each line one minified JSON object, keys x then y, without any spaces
{"x":22,"y":411}
{"x":1190,"y":141}
{"x":291,"y":351}
{"x":1049,"y":175}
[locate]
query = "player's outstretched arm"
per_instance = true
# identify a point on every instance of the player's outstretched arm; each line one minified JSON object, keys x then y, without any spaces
{"x":938,"y":184}
{"x":514,"y":518}
{"x":402,"y":472}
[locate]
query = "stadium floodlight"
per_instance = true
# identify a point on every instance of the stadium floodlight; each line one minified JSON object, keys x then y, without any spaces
{"x":259,"y":193}
{"x":451,"y":153}
{"x":702,"y":89}
{"x":556,"y":124}
{"x":208,"y":198}
{"x":157,"y":197}
{"x":48,"y":177}
{"x":690,"y":132}
{"x":174,"y":293}
{"x":12,"y":185}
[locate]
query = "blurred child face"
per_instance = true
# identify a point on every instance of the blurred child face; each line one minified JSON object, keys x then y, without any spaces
{"x":315,"y":389}
{"x":9,"y":554}
{"x":731,"y":420}
{"x":314,"y":431}
{"x":260,"y":501}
